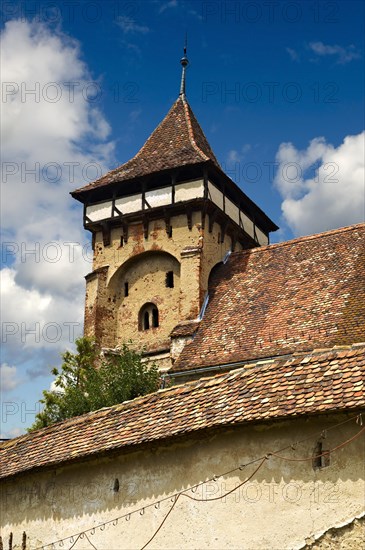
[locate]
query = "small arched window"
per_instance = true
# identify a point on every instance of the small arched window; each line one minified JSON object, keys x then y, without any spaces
{"x":148,"y":317}
{"x":155,"y":317}
{"x":146,"y":321}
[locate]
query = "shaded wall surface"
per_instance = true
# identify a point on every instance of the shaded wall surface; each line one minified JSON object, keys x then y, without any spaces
{"x":287,"y":503}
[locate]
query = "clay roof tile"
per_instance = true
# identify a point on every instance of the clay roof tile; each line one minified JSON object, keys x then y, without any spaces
{"x":177,"y":141}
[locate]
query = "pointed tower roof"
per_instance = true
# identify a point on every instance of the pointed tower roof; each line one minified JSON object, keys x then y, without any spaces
{"x":177,"y":141}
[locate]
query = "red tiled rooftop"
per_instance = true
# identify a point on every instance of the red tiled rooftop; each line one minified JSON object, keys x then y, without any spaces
{"x":177,"y":141}
{"x":326,"y":381}
{"x":283,"y":298}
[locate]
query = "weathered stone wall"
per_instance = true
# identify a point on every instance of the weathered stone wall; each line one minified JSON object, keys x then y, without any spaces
{"x":112,"y":317}
{"x":347,"y":537}
{"x":285,"y":505}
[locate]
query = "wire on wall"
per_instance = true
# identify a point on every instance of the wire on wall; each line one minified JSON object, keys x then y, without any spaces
{"x":72,"y":539}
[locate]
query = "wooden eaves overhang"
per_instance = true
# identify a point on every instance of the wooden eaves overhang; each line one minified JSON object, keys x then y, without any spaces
{"x":210,"y":212}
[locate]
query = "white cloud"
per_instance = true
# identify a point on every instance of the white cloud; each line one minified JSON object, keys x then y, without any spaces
{"x":13,"y":432}
{"x":34,"y":319}
{"x":323,"y":187}
{"x":238,"y":156}
{"x":293,"y":54}
{"x":128,"y":25}
{"x":343,"y":54}
{"x":8,"y":378}
{"x":168,"y":5}
{"x":55,"y":139}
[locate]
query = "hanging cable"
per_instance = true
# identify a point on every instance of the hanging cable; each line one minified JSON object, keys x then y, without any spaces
{"x":229,"y":492}
{"x":324,"y":453}
{"x":163,"y":521}
{"x":92,"y":530}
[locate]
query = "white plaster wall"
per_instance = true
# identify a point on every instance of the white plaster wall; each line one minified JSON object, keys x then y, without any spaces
{"x":126,"y":205}
{"x":232,"y":211}
{"x":247,"y":224}
{"x":262,"y":238}
{"x":215,"y":195}
{"x":189,"y":190}
{"x":159,"y":197}
{"x":284,"y":505}
{"x":100,"y":211}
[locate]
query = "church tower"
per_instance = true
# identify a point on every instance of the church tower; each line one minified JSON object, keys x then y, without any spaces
{"x":160,"y":223}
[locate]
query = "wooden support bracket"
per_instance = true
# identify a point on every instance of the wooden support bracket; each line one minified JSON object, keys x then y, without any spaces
{"x":145,"y":227}
{"x":106,"y":234}
{"x":189,"y":215}
{"x":125,"y":232}
{"x":212,"y":218}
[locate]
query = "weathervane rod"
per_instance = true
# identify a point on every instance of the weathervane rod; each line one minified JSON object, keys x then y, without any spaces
{"x":184,"y":63}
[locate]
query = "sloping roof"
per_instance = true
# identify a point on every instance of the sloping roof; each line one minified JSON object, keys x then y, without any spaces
{"x":321,"y":382}
{"x":177,"y":141}
{"x":293,"y":296}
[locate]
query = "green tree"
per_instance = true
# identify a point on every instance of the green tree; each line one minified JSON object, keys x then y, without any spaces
{"x":80,"y":387}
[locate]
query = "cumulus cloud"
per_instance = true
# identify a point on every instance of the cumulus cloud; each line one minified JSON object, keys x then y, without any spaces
{"x":323,"y":187}
{"x":8,"y":378}
{"x":34,"y":319}
{"x":56,"y":138}
{"x":342,"y":54}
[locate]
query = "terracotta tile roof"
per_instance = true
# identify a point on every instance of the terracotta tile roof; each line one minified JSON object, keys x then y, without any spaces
{"x":321,"y":382}
{"x":185,"y":328}
{"x":177,"y":141}
{"x":278,"y":299}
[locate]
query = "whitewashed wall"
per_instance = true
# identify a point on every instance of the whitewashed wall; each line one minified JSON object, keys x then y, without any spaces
{"x":285,"y":504}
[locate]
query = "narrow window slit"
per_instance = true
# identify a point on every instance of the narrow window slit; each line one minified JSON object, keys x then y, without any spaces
{"x":321,"y":457}
{"x":170,"y":279}
{"x":155,"y":317}
{"x":146,"y":321}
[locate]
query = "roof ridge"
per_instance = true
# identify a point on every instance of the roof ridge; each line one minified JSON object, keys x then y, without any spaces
{"x":190,"y":129}
{"x":152,"y":134}
{"x":304,"y":238}
{"x":249,"y":395}
{"x":189,"y":386}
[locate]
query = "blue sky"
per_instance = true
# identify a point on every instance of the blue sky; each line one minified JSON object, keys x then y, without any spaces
{"x":278,"y":88}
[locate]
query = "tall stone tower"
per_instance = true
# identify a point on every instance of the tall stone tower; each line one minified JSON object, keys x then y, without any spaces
{"x":160,"y":224}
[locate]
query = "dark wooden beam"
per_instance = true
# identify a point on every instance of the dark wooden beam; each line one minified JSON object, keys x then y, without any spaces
{"x":212,"y":218}
{"x":167,"y":221}
{"x":224,"y":227}
{"x":145,"y":223}
{"x":106,"y":234}
{"x":189,"y":215}
{"x":125,"y":232}
{"x":173,"y":183}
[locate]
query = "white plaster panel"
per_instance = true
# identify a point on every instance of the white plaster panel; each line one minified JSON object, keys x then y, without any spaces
{"x":247,"y":225}
{"x":232,"y":211}
{"x":262,"y":238}
{"x":159,"y":197}
{"x":215,"y":195}
{"x":189,"y":190}
{"x":126,"y":205}
{"x":100,"y":211}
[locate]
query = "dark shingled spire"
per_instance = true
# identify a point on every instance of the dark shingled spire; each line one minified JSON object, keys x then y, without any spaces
{"x":177,"y":141}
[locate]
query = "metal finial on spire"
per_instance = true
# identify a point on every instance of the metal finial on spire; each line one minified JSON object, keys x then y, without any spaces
{"x":184,"y":63}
